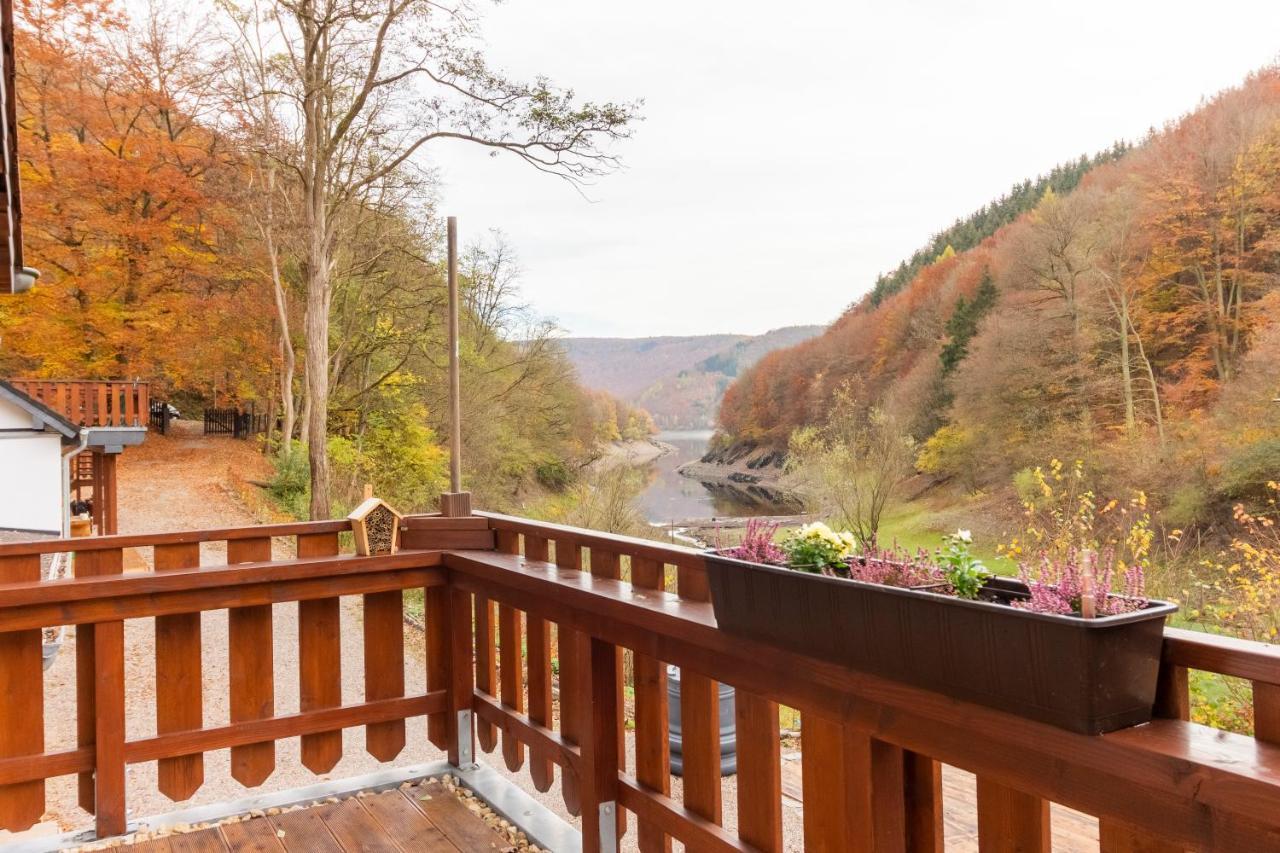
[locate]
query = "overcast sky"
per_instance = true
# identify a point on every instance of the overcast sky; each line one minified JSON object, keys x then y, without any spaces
{"x":792,"y":151}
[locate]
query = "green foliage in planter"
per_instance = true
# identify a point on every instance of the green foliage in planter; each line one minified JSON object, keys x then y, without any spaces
{"x":963,"y":571}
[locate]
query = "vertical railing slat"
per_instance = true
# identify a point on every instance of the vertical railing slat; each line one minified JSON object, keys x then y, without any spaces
{"x":653,"y":753}
{"x":830,"y":819}
{"x":251,"y":655}
{"x":89,"y":564}
{"x":510,"y":635}
{"x":608,"y":565}
{"x":435,"y":600}
{"x":319,"y":659}
{"x":538,"y":645}
{"x":510,"y":639}
{"x":486,"y":665}
{"x":699,"y":715}
{"x":1011,"y":821}
{"x":22,"y":709}
{"x":600,"y":716}
{"x":384,"y":668}
{"x":179,"y":681}
{"x":1266,"y":712}
{"x":100,"y":703}
{"x":922,"y":777}
{"x":569,"y":648}
{"x":759,"y":771}
{"x":459,"y":675}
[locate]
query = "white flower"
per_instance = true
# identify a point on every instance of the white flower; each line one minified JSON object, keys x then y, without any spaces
{"x":965,"y":536}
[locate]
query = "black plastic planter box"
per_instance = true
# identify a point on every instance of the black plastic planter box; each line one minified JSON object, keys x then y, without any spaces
{"x":1086,"y":675}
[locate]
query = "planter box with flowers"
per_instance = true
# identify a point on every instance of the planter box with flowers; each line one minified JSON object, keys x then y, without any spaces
{"x":1058,"y":645}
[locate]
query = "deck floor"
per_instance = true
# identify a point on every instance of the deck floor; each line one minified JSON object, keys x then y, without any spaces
{"x":423,"y":818}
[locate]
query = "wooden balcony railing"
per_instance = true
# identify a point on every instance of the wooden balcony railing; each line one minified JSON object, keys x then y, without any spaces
{"x":87,"y":403}
{"x":514,"y":607}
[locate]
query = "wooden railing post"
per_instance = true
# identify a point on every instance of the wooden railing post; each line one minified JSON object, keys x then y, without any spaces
{"x":699,"y":716}
{"x":100,"y":703}
{"x":460,"y":719}
{"x":109,"y":784}
{"x":653,"y":751}
{"x":511,"y":672}
{"x":1011,"y":821}
{"x":538,"y":644}
{"x":251,"y":653}
{"x":435,"y":607}
{"x":598,"y":727}
{"x":22,"y":706}
{"x":319,"y":660}
{"x":179,"y":700}
{"x":572,"y":652}
{"x":759,"y":771}
{"x":1173,"y":701}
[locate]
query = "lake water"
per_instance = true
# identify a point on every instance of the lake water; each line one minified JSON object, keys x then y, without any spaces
{"x":671,"y":497}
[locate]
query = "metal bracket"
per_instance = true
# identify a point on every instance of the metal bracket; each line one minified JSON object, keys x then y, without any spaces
{"x":609,"y":827}
{"x":466,"y":755}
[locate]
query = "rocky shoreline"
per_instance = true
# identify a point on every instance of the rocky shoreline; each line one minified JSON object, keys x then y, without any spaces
{"x":741,"y":464}
{"x":637,"y":452}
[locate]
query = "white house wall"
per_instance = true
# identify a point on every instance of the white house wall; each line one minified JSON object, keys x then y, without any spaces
{"x":30,"y":473}
{"x":30,"y":481}
{"x":13,"y":416}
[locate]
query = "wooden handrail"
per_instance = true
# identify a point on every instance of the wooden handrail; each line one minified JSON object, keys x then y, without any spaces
{"x":174,"y":537}
{"x":1222,"y":655}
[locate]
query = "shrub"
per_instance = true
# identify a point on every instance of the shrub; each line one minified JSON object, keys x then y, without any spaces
{"x":1248,"y":471}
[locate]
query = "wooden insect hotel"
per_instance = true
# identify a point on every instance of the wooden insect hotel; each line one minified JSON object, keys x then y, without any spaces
{"x":376,"y":527}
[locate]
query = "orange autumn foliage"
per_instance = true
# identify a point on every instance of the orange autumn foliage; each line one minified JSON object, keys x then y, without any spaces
{"x":130,"y":211}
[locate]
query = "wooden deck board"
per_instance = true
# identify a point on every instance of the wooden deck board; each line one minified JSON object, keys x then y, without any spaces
{"x":464,"y":829}
{"x":202,"y":841}
{"x":407,"y":824}
{"x":251,"y":836}
{"x":426,"y":818}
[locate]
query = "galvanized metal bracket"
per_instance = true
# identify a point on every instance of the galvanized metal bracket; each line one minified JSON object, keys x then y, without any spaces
{"x":466,"y":754}
{"x":609,"y":827}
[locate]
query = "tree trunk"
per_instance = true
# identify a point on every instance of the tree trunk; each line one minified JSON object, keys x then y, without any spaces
{"x":1126,"y":370}
{"x":288,"y":359}
{"x":317,"y":323}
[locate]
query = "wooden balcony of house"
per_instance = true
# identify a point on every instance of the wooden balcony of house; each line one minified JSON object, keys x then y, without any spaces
{"x":89,"y":403}
{"x":546,"y":652}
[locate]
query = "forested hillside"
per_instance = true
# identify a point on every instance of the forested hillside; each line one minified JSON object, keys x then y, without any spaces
{"x":185,"y":238}
{"x":1127,"y":316}
{"x":679,"y":380}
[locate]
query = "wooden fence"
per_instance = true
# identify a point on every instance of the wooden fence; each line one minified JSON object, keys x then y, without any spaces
{"x":91,"y":403}
{"x":516,"y":608}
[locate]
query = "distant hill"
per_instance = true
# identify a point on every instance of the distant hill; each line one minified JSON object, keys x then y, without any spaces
{"x":679,"y":380}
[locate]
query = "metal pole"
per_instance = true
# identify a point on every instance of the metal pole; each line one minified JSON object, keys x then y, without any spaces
{"x":455,"y":387}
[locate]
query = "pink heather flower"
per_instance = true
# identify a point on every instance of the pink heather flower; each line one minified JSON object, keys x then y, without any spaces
{"x":895,"y":566}
{"x":757,"y":544}
{"x":1057,"y":587}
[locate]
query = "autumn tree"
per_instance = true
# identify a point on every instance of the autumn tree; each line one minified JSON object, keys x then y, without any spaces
{"x":853,"y":467}
{"x":367,"y":85}
{"x":130,"y":207}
